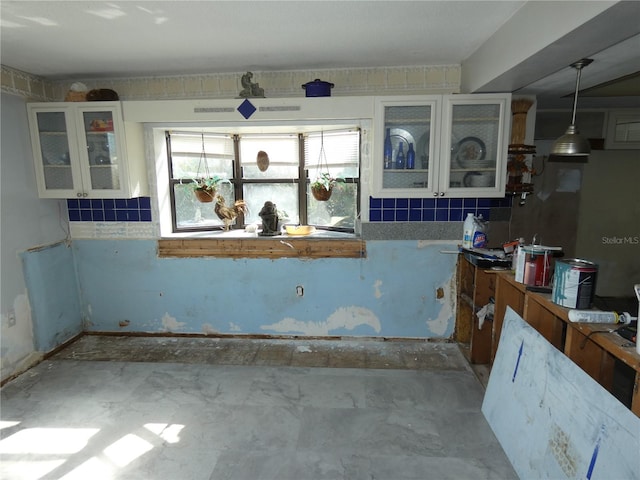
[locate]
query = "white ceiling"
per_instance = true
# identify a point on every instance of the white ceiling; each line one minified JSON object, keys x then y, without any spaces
{"x":78,"y":39}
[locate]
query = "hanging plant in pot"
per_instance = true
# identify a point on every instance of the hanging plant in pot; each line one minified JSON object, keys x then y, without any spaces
{"x":205,"y":184}
{"x":205,"y":188}
{"x":322,"y":187}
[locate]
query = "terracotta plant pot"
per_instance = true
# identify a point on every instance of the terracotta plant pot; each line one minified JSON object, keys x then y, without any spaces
{"x":205,"y":195}
{"x":321,"y":193}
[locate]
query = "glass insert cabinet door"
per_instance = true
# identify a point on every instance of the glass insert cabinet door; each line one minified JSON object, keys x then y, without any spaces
{"x":406,"y":145}
{"x":473,"y":144}
{"x":79,"y":150}
{"x":56,"y":151}
{"x":104,"y":159}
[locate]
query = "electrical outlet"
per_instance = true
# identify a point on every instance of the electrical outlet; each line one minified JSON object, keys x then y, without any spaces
{"x":11,"y":318}
{"x":299,"y":290}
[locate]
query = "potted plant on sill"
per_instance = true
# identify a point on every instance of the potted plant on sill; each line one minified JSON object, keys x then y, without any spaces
{"x":322,"y":186}
{"x":205,"y":188}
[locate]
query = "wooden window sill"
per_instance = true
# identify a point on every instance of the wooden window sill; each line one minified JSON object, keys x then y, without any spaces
{"x":264,"y":247}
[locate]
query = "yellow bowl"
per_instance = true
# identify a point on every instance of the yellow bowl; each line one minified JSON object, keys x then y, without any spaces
{"x":299,"y":229}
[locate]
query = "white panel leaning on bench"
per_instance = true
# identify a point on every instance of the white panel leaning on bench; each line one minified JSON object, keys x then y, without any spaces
{"x":551,"y":418}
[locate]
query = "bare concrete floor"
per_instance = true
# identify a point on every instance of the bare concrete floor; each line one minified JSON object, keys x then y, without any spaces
{"x":150,"y":408}
{"x":373,"y":353}
{"x":408,"y":355}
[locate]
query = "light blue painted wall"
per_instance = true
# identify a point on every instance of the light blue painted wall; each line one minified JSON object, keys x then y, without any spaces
{"x":26,"y":221}
{"x":53,"y":294}
{"x":392,"y":293}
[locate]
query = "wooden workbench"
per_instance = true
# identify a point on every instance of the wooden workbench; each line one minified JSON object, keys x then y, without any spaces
{"x":594,"y":347}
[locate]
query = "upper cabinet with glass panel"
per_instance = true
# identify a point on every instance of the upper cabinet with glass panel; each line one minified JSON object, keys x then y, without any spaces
{"x":474,"y":145}
{"x":80,"y":151}
{"x":458,"y":146}
{"x":406,"y":145}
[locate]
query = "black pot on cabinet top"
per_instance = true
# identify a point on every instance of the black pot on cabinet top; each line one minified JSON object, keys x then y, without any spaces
{"x":318,"y":88}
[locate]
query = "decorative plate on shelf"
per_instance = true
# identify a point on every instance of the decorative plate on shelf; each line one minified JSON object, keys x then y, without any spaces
{"x":470,"y":150}
{"x":398,"y":136}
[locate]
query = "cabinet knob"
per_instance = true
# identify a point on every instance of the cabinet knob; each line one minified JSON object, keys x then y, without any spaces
{"x":435,"y":194}
{"x":85,"y":194}
{"x":78,"y":194}
{"x":442,"y":194}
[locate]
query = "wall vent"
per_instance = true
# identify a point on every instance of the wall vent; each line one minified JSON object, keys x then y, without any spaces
{"x":293,"y":108}
{"x":213,"y":110}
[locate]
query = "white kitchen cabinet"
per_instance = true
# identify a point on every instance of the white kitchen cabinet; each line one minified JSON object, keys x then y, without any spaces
{"x":408,"y":121}
{"x":460,"y":143}
{"x":85,"y":150}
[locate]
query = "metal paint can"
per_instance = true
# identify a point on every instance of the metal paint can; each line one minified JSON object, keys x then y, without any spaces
{"x":533,"y":265}
{"x":574,"y":283}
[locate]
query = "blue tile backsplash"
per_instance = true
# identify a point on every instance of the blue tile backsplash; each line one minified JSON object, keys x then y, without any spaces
{"x":109,"y":209}
{"x":432,"y":209}
{"x":380,"y":209}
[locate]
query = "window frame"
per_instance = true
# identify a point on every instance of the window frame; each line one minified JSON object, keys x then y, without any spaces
{"x":238,"y":181}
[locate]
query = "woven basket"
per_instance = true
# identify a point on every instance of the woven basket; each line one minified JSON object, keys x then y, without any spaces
{"x":75,"y":96}
{"x":321,"y":194}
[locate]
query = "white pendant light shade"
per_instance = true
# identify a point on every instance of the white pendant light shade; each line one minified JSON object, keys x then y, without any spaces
{"x":572,"y":147}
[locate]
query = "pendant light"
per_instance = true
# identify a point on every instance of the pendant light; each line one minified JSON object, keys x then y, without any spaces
{"x":572,"y":147}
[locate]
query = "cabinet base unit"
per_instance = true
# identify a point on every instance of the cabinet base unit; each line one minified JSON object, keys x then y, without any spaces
{"x":596,"y":348}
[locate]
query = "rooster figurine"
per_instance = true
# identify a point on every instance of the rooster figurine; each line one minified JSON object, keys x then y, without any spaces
{"x":229,"y":214}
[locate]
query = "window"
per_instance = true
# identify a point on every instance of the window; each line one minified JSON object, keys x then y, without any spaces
{"x":293,"y":163}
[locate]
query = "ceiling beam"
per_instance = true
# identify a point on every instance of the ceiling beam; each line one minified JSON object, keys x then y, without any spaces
{"x":543,"y":38}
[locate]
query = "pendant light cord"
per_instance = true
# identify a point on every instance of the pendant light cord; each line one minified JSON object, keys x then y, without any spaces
{"x":575,"y":97}
{"x":578,"y":66}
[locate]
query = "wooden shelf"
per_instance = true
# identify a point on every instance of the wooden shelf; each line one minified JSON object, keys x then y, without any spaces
{"x":266,"y":247}
{"x":476,"y":287}
{"x":594,"y":347}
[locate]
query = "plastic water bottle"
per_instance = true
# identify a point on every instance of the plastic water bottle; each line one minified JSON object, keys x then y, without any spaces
{"x":411,"y":157}
{"x":467,"y":237}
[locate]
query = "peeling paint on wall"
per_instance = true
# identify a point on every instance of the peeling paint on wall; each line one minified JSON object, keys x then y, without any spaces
{"x":445,"y":297}
{"x":393,"y":293}
{"x":208,"y":329}
{"x":17,"y":343}
{"x":376,"y":289}
{"x":170,"y":324}
{"x":347,"y":318}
